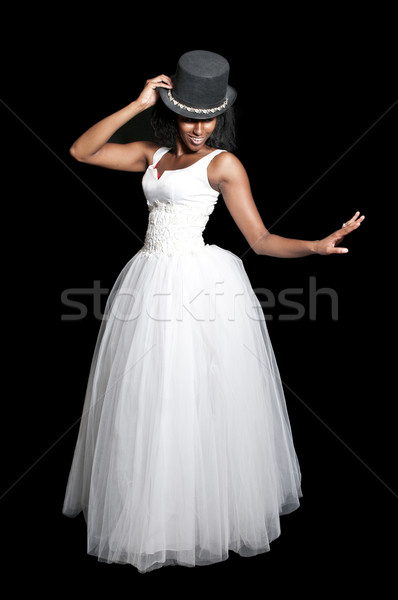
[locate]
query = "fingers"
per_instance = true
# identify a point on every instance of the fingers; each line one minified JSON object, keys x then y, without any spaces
{"x":352,"y":224}
{"x":347,"y":227}
{"x":160,"y":81}
{"x":329,"y":245}
{"x":150,"y":94}
{"x":338,"y":251}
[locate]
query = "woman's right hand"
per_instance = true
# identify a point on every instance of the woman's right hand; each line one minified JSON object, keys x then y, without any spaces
{"x":149,"y":95}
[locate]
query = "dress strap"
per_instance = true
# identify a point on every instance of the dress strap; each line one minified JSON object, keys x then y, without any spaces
{"x":206,"y":160}
{"x":159,"y":153}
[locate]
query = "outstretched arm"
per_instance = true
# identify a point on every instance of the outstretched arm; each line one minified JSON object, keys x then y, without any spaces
{"x":275,"y":245}
{"x":227,"y":173}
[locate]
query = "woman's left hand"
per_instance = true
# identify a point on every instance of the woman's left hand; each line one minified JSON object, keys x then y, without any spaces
{"x":328,"y":244}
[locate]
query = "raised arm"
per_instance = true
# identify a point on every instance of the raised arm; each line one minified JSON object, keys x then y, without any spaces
{"x":93,"y":147}
{"x":227,"y":174}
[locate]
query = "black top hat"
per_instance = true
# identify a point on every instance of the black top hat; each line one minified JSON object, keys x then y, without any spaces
{"x":200,"y":86}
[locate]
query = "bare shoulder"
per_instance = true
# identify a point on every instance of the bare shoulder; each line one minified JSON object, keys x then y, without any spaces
{"x":225,"y":168}
{"x":225,"y":160}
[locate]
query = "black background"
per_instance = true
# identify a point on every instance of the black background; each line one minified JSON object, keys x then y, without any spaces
{"x":317,"y":129}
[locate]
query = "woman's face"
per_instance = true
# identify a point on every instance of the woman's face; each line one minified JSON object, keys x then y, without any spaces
{"x":194,"y":133}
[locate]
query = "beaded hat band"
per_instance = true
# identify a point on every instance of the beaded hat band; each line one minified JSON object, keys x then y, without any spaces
{"x":202,"y":111}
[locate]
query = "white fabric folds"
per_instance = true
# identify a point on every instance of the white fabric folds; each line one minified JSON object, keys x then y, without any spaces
{"x":185,"y":450}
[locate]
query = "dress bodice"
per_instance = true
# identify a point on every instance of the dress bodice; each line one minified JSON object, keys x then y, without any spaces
{"x":180,"y":203}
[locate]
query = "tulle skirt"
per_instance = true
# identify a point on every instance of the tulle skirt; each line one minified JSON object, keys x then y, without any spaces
{"x":184,"y":450}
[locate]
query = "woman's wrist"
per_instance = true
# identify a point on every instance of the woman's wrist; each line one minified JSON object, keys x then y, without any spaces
{"x":314,"y":246}
{"x":125,"y":114}
{"x":135,"y":107}
{"x":140,"y":104}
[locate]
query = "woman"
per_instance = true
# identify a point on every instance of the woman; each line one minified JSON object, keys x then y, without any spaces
{"x":185,"y":449}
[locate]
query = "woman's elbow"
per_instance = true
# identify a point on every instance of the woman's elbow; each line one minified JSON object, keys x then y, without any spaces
{"x":75,"y":153}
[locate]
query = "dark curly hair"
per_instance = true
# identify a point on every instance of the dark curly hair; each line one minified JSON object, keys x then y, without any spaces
{"x":164,"y":124}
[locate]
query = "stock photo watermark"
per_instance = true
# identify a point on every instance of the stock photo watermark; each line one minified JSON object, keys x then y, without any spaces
{"x":289,"y":304}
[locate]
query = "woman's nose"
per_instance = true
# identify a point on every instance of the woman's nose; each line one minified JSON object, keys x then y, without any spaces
{"x":198,"y":128}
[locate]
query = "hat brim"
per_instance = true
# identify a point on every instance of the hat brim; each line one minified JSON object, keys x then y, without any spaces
{"x":180,"y":110}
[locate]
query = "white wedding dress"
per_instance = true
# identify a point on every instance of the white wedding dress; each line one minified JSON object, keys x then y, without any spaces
{"x":184,"y":450}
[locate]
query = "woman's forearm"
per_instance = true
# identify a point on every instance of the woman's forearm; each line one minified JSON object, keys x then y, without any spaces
{"x":275,"y":245}
{"x":94,"y":138}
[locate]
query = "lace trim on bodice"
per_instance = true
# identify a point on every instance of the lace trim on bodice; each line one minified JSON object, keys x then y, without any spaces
{"x":176,"y":227}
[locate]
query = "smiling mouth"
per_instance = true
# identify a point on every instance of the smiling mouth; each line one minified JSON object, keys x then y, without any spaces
{"x":196,"y":140}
